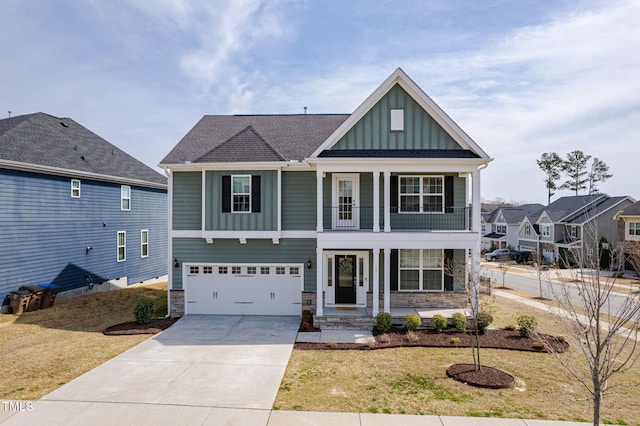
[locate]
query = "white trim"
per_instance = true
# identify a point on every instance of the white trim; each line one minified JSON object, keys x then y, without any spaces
{"x":231,"y":166}
{"x":279,"y":199}
{"x":420,"y":194}
{"x":170,"y":236}
{"x":203,"y":200}
{"x":430,"y":107}
{"x":361,"y":292}
{"x":394,"y":240}
{"x":78,"y":188}
{"x":241,"y":194}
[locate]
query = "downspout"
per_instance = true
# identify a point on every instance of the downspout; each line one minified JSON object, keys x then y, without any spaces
{"x":167,"y":173}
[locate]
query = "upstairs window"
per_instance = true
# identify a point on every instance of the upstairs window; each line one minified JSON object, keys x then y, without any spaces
{"x":397,"y":120}
{"x":241,"y":194}
{"x":501,"y":229}
{"x":634,"y":228}
{"x":545,"y":230}
{"x":573,"y":231}
{"x":421,"y":194}
{"x":125,"y":197}
{"x":75,"y":188}
{"x":527,"y":229}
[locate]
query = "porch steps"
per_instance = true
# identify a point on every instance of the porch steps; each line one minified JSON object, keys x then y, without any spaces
{"x":336,"y":322}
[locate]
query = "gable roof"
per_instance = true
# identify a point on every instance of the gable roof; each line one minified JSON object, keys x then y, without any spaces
{"x":563,"y":207}
{"x":247,"y":144}
{"x":601,"y":207}
{"x":291,"y":137}
{"x":48,"y":144}
{"x":632,"y":210}
{"x":518,"y":213}
{"x":400,"y":78}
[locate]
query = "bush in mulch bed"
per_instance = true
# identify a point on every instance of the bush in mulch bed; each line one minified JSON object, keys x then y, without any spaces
{"x":495,"y":339}
{"x":154,"y":326}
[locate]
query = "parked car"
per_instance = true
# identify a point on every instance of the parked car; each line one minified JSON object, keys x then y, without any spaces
{"x":523,"y":257}
{"x":497,"y":254}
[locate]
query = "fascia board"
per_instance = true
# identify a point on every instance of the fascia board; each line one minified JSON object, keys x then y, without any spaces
{"x":227,"y":166}
{"x":58,"y":171}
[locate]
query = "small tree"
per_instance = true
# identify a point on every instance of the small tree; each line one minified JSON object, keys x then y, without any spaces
{"x":551,"y":165}
{"x":504,"y":264}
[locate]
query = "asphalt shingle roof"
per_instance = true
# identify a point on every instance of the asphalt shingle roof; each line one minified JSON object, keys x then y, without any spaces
{"x":632,"y":210}
{"x":565,"y":206}
{"x":44,"y":140}
{"x":247,"y":145}
{"x":292,"y":137}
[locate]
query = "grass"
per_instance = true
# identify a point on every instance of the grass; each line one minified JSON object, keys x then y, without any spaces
{"x":45,"y":349}
{"x":413,"y":380}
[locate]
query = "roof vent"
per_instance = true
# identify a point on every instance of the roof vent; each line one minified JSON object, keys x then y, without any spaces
{"x":64,"y":124}
{"x":82,"y":157}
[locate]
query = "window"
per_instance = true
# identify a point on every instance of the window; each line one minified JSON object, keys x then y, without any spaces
{"x":241,"y":194}
{"x":421,"y":194}
{"x":222,"y":270}
{"x":122,"y":246}
{"x":144,"y":243}
{"x":280,"y":270}
{"x":125,"y":197}
{"x":573,"y":231}
{"x":421,"y":270}
{"x":207,"y":269}
{"x":634,"y":228}
{"x":294,"y":270}
{"x":194,"y":269}
{"x":75,"y":188}
{"x":484,"y":228}
{"x":527,"y":229}
{"x":252,"y":270}
{"x":397,"y":120}
{"x":501,"y":229}
{"x":236,"y":270}
{"x":265,"y":270}
{"x":546,"y":230}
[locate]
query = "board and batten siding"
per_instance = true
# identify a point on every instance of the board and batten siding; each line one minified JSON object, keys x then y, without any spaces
{"x":44,"y":232}
{"x":299,"y":201}
{"x":187,"y":201}
{"x":265,"y":220}
{"x":373,"y":131}
{"x":194,"y":250}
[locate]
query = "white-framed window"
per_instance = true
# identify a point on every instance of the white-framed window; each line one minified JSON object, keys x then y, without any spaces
{"x":294,"y":270}
{"x":236,"y":270}
{"x":265,"y":270}
{"x":280,"y":270}
{"x":125,"y":197}
{"x":501,"y":229}
{"x":421,"y":270}
{"x":421,"y":194}
{"x":207,"y":270}
{"x":241,"y":193}
{"x":573,"y":231}
{"x":75,"y":188}
{"x":252,"y":270}
{"x":222,"y":270}
{"x":122,"y":246}
{"x":634,"y":228}
{"x":484,"y":228}
{"x":545,"y":230}
{"x":397,"y":120}
{"x":194,"y":270}
{"x":527,"y":229}
{"x":144,"y":243}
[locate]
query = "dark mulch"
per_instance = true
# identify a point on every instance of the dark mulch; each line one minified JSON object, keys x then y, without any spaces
{"x":134,"y":327}
{"x":486,"y":377}
{"x":496,"y":339}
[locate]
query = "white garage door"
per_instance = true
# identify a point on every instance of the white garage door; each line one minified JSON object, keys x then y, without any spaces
{"x":243,"y":289}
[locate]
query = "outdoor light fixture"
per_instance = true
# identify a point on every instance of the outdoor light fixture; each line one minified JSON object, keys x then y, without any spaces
{"x":176,"y":264}
{"x":87,"y":250}
{"x":309,"y":264}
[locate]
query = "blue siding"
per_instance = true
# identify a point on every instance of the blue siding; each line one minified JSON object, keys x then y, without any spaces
{"x":44,"y":232}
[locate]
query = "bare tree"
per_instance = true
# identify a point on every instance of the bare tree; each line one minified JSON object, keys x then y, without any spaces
{"x":542,"y":272}
{"x":603,"y":322}
{"x":504,"y":264}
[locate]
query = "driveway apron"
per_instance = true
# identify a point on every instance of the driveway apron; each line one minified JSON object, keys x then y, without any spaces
{"x":202,"y":370}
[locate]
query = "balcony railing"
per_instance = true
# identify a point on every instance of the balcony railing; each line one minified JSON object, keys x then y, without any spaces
{"x":349,"y":218}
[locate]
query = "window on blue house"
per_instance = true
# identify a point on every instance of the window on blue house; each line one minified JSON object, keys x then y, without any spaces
{"x":144,"y":243}
{"x":125,"y":197}
{"x":75,"y":188}
{"x":122,"y":246}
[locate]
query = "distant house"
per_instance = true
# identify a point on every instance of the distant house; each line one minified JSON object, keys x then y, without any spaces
{"x":75,"y":210}
{"x":572,"y":225}
{"x":368,"y":212}
{"x":629,"y":234}
{"x":503,"y":224}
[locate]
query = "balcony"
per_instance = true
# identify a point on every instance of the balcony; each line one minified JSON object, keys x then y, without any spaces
{"x":349,"y":218}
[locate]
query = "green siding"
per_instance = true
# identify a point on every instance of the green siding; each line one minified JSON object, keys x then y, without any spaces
{"x":299,"y":201}
{"x":187,"y":200}
{"x":265,"y":220}
{"x":372,"y":131}
{"x":258,"y":251}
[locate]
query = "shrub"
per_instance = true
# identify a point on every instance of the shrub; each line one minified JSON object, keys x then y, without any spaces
{"x":510,"y":327}
{"x":455,"y":340}
{"x":383,"y":322}
{"x":438,"y":323}
{"x":459,"y":321}
{"x":412,"y":322}
{"x":307,"y":316}
{"x":412,"y":337}
{"x":527,"y":325}
{"x":143,"y":310}
{"x":483,"y":320}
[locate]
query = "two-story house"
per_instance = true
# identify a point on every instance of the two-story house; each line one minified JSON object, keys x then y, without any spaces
{"x":75,"y":210}
{"x":273,"y":214}
{"x":504,"y":223}
{"x":571,"y":226}
{"x":629,"y":235}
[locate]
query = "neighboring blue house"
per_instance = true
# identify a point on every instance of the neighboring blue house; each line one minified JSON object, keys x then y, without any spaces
{"x":368,"y":212}
{"x":75,"y":210}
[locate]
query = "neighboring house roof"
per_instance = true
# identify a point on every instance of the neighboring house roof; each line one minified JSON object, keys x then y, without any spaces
{"x":630,"y":211}
{"x":49,"y":144}
{"x":290,"y":137}
{"x":494,"y":236}
{"x":563,"y":207}
{"x":592,"y":212}
{"x":517,"y":214}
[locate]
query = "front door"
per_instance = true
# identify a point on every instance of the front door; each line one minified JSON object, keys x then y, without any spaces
{"x":345,"y":279}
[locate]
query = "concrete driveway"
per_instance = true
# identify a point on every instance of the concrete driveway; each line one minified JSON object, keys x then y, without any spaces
{"x":202,"y":370}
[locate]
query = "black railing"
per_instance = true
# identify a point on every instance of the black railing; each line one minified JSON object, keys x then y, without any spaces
{"x":349,"y":218}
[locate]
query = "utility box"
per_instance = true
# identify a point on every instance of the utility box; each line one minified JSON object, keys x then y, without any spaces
{"x":19,"y":301}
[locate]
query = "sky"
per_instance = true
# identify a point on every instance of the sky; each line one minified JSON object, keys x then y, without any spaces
{"x":521,"y":77}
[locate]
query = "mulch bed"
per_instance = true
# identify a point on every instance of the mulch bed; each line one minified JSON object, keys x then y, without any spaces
{"x":486,"y":377}
{"x":134,"y":327}
{"x":495,"y":339}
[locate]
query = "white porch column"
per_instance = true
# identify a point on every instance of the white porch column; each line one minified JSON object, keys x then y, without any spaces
{"x":319,"y":206}
{"x":475,"y":252}
{"x":376,"y":201}
{"x":387,"y":202}
{"x":387,"y":280}
{"x":376,"y":282}
{"x":319,"y":282}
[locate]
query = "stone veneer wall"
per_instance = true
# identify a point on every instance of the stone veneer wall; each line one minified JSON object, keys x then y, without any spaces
{"x":447,"y":300}
{"x":177,"y":303}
